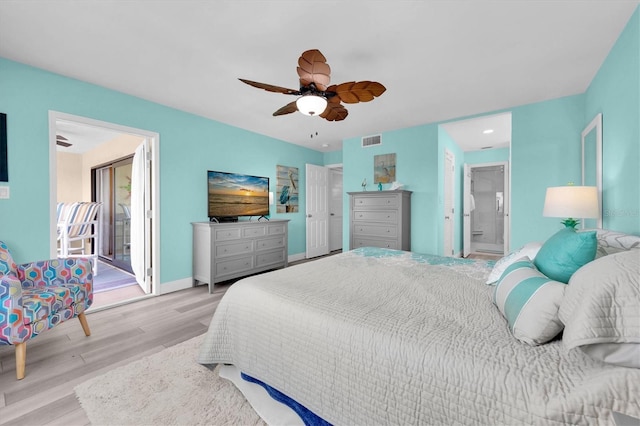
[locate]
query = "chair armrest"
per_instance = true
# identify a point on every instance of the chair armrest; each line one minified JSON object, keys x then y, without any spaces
{"x":12,"y":328}
{"x":55,"y":272}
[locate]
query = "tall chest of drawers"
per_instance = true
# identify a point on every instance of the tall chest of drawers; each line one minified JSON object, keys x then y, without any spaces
{"x":380,"y":219}
{"x":222,"y":251}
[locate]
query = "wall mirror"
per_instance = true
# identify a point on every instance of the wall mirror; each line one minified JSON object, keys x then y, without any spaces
{"x":592,"y":164}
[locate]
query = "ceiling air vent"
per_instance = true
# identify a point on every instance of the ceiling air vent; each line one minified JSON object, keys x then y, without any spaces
{"x":374,"y":140}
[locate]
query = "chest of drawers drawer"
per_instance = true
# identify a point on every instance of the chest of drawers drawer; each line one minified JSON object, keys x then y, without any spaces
{"x":377,"y":202}
{"x":232,"y":249}
{"x":270,"y":243}
{"x":372,"y":242}
{"x":386,"y":231}
{"x":390,"y":216}
{"x":234,"y":266}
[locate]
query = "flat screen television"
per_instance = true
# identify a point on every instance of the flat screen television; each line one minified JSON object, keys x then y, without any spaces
{"x":231,"y":195}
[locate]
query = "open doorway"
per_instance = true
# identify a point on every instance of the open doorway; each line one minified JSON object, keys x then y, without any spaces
{"x":486,"y":145}
{"x":96,"y":161}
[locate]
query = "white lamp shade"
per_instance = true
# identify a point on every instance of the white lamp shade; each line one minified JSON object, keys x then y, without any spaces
{"x":572,"y":201}
{"x":270,"y":198}
{"x":311,"y":104}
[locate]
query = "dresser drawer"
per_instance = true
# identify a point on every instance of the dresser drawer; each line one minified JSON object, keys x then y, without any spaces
{"x":226,"y":234}
{"x":229,"y":267}
{"x":390,"y":216}
{"x":371,"y":242}
{"x":254,"y":231}
{"x":375,"y":230}
{"x":276,"y":229}
{"x":270,"y":243}
{"x":390,"y":201}
{"x":232,"y":249}
{"x":270,"y":258}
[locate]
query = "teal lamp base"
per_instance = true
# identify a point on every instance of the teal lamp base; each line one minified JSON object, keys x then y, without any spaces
{"x":570,"y":223}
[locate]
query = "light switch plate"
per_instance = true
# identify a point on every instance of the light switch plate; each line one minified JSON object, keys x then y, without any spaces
{"x":4,"y":192}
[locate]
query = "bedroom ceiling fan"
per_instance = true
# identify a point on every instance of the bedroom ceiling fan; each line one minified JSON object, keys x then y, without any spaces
{"x":316,"y":96}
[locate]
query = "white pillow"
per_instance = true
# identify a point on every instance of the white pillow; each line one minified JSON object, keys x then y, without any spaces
{"x":529,"y":250}
{"x":601,"y":307}
{"x":529,"y":301}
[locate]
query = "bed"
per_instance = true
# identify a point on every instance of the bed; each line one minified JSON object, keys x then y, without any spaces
{"x":378,"y":336}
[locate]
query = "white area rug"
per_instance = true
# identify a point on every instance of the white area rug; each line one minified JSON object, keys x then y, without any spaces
{"x":166,"y":388}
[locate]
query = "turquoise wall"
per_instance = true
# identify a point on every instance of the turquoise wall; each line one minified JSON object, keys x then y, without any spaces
{"x":487,"y":156}
{"x":332,"y":157}
{"x":545,"y":151}
{"x":189,"y":146}
{"x":416,"y":150}
{"x":615,"y":92}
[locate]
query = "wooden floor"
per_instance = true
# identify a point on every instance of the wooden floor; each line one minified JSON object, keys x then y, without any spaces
{"x":64,"y":357}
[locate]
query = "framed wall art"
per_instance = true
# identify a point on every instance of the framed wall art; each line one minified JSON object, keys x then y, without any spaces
{"x":287,"y":189}
{"x":4,"y":160}
{"x":384,"y":168}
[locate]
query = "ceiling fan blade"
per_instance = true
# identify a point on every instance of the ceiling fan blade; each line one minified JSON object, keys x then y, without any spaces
{"x":62,"y":141}
{"x":313,"y":68}
{"x":334,"y":111}
{"x":287,"y":109}
{"x":270,"y":87}
{"x":360,"y":91}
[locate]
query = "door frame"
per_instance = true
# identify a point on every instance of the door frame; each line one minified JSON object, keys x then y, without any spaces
{"x":154,"y":215}
{"x":333,"y":169}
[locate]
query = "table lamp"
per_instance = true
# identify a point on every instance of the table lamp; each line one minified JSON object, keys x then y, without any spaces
{"x":571,"y":202}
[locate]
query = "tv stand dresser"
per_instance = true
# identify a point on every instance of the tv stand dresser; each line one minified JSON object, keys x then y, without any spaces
{"x":223,"y":251}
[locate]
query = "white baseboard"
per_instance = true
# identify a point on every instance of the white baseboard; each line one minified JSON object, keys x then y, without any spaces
{"x":185,"y":283}
{"x":296,"y":257}
{"x":177,"y":285}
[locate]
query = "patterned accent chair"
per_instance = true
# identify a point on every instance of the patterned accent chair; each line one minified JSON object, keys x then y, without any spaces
{"x":36,"y":296}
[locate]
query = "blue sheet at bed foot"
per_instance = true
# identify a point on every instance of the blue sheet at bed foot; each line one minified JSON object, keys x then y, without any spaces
{"x":308,"y":417}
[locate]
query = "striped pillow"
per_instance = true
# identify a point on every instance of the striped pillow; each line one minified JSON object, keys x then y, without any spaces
{"x":530,"y":302}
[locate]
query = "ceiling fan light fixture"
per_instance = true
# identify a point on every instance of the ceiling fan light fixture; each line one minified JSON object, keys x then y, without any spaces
{"x":311,"y":104}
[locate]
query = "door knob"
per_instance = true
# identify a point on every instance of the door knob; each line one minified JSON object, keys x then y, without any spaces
{"x":308,"y":215}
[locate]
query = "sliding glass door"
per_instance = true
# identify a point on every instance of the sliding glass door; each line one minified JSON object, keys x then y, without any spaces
{"x":112,"y":187}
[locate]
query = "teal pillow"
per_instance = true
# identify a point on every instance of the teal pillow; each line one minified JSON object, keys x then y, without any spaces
{"x":565,"y":252}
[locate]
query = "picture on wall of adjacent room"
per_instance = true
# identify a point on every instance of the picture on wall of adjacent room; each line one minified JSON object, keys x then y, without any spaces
{"x":287,"y":189}
{"x":384,"y":168}
{"x":4,"y":160}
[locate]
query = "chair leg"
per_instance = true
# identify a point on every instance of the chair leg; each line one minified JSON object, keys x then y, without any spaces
{"x":21,"y":359}
{"x":85,"y":325}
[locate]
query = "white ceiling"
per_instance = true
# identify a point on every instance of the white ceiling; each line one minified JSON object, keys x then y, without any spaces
{"x":439,"y":60}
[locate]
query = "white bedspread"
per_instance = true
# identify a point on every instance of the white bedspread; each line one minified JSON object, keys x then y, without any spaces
{"x":384,"y":337}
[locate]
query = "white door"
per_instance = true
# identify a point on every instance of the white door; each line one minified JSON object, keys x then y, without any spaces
{"x":140,"y":219}
{"x":449,"y":190}
{"x":466,"y":208}
{"x":335,"y":209}
{"x":317,"y":209}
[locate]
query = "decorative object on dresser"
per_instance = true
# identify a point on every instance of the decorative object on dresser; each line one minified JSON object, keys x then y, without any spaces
{"x":223,"y":251}
{"x":380,"y":219}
